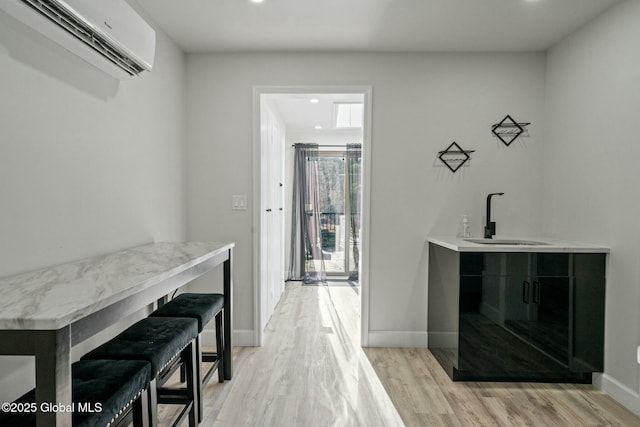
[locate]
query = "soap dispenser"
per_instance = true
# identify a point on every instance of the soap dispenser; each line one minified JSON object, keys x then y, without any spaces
{"x":465,"y":229}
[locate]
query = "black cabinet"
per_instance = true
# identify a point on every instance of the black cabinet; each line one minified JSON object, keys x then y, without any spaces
{"x":526,"y":317}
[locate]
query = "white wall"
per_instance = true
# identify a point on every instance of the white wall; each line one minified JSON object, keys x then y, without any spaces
{"x":591,"y":170}
{"x":88,"y":165}
{"x":421,"y":103}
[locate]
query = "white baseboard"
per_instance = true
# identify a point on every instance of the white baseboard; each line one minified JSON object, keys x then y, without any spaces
{"x":241,"y":337}
{"x":621,"y":393}
{"x":443,"y":339}
{"x":411,"y":339}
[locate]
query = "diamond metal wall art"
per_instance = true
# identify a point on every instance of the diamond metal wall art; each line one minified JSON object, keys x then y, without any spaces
{"x":454,"y":156}
{"x":508,"y":130}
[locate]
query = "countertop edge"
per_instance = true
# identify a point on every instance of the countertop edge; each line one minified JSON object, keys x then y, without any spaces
{"x":554,"y":246}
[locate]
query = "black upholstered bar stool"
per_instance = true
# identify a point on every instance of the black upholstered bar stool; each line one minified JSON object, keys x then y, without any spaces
{"x":159,"y":341}
{"x":105,"y":393}
{"x":203,"y":308}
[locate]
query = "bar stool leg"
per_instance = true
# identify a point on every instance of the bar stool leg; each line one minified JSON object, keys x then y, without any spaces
{"x":192,"y":382}
{"x":220,"y":345}
{"x":141,"y":410}
{"x":199,"y":377}
{"x":153,"y":404}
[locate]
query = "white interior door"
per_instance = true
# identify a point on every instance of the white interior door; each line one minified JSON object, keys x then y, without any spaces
{"x":272,"y":213}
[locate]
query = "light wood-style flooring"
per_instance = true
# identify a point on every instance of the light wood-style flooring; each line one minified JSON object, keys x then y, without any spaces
{"x":311,"y":371}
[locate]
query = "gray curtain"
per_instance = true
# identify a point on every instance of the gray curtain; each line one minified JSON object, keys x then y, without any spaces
{"x":306,"y":262}
{"x":354,"y":168}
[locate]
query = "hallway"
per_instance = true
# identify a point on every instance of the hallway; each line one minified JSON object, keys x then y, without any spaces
{"x":311,"y":370}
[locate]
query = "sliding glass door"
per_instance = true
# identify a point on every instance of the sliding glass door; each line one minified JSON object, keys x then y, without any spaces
{"x":339,"y":190}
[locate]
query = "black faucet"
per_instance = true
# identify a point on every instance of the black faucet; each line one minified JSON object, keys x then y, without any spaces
{"x":490,"y":227}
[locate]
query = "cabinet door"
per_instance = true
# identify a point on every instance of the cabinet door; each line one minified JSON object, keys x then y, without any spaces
{"x":586,"y":345}
{"x":478,"y":339}
{"x":550,"y":291}
{"x":517,"y":290}
{"x":490,"y":298}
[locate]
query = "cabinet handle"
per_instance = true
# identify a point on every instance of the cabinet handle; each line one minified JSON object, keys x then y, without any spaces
{"x":525,"y":291}
{"x":269,"y":210}
{"x":536,"y":292}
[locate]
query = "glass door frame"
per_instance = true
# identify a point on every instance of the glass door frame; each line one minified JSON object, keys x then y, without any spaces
{"x":346,"y":232}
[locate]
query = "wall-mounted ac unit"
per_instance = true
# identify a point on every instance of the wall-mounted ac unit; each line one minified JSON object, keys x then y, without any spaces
{"x":108,"y":34}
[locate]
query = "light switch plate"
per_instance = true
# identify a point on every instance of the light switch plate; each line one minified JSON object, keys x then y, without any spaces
{"x":239,"y":202}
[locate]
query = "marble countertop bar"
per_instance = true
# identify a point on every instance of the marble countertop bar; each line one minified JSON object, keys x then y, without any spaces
{"x":551,"y":245}
{"x":55,"y":297}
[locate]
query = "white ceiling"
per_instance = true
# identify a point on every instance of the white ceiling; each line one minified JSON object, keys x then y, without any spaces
{"x":370,"y":25}
{"x":301,"y":116}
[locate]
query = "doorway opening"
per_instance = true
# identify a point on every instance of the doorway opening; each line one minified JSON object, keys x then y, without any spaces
{"x":337,"y":122}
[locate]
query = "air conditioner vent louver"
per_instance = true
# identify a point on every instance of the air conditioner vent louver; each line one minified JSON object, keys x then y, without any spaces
{"x":80,"y":30}
{"x":108,"y":34}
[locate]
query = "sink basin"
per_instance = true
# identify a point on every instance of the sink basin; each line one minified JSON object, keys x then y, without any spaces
{"x":515,"y":242}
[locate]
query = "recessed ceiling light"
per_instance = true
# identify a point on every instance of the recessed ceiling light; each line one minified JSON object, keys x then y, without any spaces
{"x":317,"y":127}
{"x":314,"y":100}
{"x":257,"y":1}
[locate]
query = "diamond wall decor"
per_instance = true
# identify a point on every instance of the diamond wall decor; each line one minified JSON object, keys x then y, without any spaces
{"x":454,"y":156}
{"x":508,"y":130}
